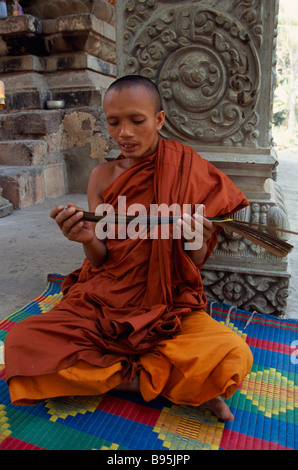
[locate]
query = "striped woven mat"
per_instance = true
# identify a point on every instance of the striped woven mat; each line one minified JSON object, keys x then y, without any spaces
{"x":265,"y":406}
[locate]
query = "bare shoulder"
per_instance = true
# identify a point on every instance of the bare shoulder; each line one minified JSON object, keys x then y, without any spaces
{"x":101,"y":176}
{"x":103,"y":170}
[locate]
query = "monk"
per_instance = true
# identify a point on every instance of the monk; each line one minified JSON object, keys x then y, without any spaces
{"x":133,"y":315}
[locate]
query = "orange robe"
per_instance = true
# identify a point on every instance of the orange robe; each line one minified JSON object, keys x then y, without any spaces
{"x":112,"y":319}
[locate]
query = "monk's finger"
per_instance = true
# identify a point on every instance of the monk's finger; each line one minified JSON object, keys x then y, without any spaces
{"x":61,"y":213}
{"x":69,"y":222}
{"x":189,"y":226}
{"x":200,"y":210}
{"x":70,"y":204}
{"x":75,"y":229}
{"x":207,"y":225}
{"x":64,"y":215}
{"x":55,"y":211}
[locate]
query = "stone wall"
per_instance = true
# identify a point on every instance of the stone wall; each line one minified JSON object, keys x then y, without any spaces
{"x":47,"y":152}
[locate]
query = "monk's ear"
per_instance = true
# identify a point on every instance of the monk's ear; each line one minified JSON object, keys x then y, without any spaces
{"x":160,"y":119}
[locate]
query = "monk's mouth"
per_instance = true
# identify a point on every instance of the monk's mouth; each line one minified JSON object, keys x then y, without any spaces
{"x":128,"y":147}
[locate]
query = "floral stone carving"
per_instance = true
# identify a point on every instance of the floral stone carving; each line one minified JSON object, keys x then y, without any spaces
{"x":206,"y":66}
{"x":264,"y":294}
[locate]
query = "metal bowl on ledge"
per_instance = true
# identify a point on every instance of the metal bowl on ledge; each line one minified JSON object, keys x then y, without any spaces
{"x":55,"y":104}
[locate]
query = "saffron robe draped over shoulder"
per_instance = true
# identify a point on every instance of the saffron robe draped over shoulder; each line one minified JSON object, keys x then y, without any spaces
{"x":136,"y":299}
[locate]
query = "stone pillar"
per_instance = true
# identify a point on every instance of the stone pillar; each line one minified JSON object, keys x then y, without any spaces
{"x":214,"y":64}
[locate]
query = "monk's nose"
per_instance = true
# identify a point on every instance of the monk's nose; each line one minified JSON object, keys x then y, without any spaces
{"x":125,"y":131}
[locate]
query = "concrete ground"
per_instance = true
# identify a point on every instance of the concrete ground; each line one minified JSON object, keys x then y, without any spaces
{"x":31,"y":245}
{"x":288,"y":181}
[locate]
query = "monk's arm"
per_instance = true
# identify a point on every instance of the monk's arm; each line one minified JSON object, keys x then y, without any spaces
{"x":74,"y":229}
{"x":198,"y":231}
{"x":96,"y":251}
{"x":198,"y":256}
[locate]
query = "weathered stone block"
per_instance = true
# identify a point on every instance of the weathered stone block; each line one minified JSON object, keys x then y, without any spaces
{"x":20,"y":24}
{"x":23,"y":186}
{"x":78,"y":167}
{"x":25,"y":90}
{"x":82,"y":32}
{"x":6,"y":208}
{"x":35,"y":123}
{"x":54,"y":180}
{"x":26,"y":63}
{"x":81,"y":128}
{"x":26,"y":99}
{"x":22,"y":152}
{"x":80,"y":88}
{"x":21,"y":35}
{"x":77,"y":61}
{"x":75,"y":98}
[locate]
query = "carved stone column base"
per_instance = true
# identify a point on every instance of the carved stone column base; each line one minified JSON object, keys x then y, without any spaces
{"x":248,"y":290}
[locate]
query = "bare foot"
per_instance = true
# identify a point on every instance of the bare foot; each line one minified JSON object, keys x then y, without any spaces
{"x":217,"y":405}
{"x":219,"y":408}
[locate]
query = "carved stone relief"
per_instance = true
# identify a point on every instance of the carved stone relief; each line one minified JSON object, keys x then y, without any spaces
{"x":264,"y":294}
{"x":204,"y":61}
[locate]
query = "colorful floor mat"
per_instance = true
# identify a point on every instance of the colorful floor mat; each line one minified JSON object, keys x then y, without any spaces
{"x":265,"y":407}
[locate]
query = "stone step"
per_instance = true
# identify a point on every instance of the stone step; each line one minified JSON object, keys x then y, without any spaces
{"x":26,"y":185}
{"x":22,"y":185}
{"x":22,"y":152}
{"x":24,"y":124}
{"x":25,"y":90}
{"x":21,"y":35}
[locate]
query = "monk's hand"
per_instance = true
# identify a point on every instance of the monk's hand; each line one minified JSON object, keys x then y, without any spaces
{"x":196,"y":232}
{"x":71,"y":225}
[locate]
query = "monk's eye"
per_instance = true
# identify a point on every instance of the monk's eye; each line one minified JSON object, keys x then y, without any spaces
{"x":139,"y":122}
{"x":114,"y":123}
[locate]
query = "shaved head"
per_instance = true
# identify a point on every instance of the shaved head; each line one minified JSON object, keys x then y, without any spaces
{"x":132,"y":81}
{"x":132,"y":108}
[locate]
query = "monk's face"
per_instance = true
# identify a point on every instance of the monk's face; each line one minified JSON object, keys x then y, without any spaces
{"x":133,"y":121}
